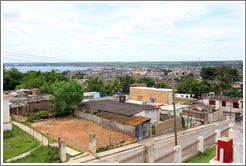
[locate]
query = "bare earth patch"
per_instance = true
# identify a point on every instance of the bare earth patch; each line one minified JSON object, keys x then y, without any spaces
{"x":75,"y":132}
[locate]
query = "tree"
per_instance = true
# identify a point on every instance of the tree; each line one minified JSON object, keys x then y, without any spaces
{"x":224,"y":82}
{"x":190,"y":85}
{"x":11,"y":78}
{"x":115,"y":86}
{"x":95,"y":85}
{"x":208,"y":73}
{"x":149,"y":81}
{"x":164,"y":85}
{"x":233,"y":92}
{"x":125,"y":83}
{"x":32,"y":79}
{"x":67,"y":94}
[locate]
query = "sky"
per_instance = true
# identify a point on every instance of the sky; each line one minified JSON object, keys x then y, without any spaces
{"x":122,"y":31}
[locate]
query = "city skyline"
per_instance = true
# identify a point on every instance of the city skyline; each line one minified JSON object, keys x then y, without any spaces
{"x":122,"y":31}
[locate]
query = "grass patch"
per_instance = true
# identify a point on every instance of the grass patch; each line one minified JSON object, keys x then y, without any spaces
{"x":46,"y":136}
{"x":20,"y":142}
{"x":205,"y":157}
{"x":43,"y":154}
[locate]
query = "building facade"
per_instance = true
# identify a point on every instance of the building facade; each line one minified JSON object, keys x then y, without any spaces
{"x":7,"y":122}
{"x":157,"y":95}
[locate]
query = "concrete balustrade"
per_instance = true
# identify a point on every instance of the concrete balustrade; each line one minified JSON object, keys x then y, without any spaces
{"x":62,"y":151}
{"x":148,"y":153}
{"x":92,"y":143}
{"x":217,"y":137}
{"x":201,"y":144}
{"x":178,"y":154}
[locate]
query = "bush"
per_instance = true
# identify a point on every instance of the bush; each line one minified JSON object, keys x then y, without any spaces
{"x":7,"y":134}
{"x":153,"y":129}
{"x":95,"y":112}
{"x":42,"y":113}
{"x":85,"y":110}
{"x":183,"y":121}
{"x":30,"y":119}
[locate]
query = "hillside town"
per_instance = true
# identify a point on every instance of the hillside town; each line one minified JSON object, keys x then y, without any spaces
{"x":122,"y":83}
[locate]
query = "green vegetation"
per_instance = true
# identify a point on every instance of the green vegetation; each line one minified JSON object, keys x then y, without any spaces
{"x":149,"y":81}
{"x":205,"y":157}
{"x":183,"y":121}
{"x":42,"y":154}
{"x":30,"y":126}
{"x":153,"y":129}
{"x":85,"y":110}
{"x":11,"y":78}
{"x":95,"y":85}
{"x":65,"y":95}
{"x":20,"y":142}
{"x":190,"y":85}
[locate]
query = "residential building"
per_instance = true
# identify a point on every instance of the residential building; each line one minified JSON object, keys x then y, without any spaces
{"x":158,"y":95}
{"x":135,"y":119}
{"x":229,"y":104}
{"x":7,"y":122}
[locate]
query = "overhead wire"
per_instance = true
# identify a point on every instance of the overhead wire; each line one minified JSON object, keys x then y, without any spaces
{"x":24,"y":55}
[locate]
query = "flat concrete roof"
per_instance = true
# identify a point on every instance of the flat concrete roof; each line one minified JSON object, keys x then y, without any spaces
{"x":150,"y":88}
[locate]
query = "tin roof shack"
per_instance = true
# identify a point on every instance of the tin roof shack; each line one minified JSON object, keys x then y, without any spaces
{"x":24,"y":101}
{"x":158,"y":95}
{"x":225,"y":103}
{"x":134,"y":119}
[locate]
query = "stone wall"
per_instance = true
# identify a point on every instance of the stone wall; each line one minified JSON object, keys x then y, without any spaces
{"x":217,"y":116}
{"x":107,"y":123}
{"x":146,"y":94}
{"x":168,"y":126}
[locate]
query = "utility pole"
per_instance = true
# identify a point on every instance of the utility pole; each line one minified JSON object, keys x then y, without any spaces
{"x":174,"y":113}
{"x":230,"y":103}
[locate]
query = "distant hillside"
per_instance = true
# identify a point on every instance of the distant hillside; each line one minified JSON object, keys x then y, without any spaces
{"x":135,"y":64}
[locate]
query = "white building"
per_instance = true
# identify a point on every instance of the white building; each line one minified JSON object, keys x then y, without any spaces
{"x":225,"y":103}
{"x":7,"y":122}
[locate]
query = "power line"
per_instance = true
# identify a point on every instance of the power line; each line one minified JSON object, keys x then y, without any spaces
{"x":36,"y":56}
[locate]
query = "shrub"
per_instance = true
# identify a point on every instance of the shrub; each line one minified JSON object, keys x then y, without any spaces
{"x":30,"y":119}
{"x":85,"y":110}
{"x":95,"y":112}
{"x":183,"y":121}
{"x":7,"y":134}
{"x":153,"y":129}
{"x":42,"y":113}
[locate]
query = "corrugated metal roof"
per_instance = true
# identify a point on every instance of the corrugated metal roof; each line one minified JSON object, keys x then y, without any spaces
{"x":133,"y":120}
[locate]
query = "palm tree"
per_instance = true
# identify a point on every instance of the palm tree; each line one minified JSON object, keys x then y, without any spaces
{"x":224,"y":82}
{"x":115,"y":86}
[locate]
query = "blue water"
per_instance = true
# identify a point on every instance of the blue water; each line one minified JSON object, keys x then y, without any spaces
{"x":24,"y":69}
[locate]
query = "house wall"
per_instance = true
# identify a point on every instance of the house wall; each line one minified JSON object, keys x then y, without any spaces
{"x":43,"y":105}
{"x":107,"y":123}
{"x":146,"y":94}
{"x":154,"y":115}
{"x":6,"y":117}
{"x":227,"y":108}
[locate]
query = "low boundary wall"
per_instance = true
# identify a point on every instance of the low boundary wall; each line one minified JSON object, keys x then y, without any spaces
{"x":107,"y":123}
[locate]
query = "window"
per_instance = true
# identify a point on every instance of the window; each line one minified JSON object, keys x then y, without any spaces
{"x":211,"y":102}
{"x":235,"y":105}
{"x":223,"y":103}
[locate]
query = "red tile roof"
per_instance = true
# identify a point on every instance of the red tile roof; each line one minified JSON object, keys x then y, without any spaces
{"x":4,"y":95}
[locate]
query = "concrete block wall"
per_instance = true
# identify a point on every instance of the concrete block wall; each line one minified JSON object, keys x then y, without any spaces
{"x":146,"y":94}
{"x":168,"y":126}
{"x":107,"y":123}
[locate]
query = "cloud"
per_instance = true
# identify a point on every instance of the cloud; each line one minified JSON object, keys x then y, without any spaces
{"x":124,"y":31}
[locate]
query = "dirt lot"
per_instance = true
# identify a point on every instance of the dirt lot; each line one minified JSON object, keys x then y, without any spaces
{"x":75,"y":132}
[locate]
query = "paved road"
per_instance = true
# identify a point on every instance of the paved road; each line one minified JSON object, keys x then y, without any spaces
{"x":162,"y":144}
